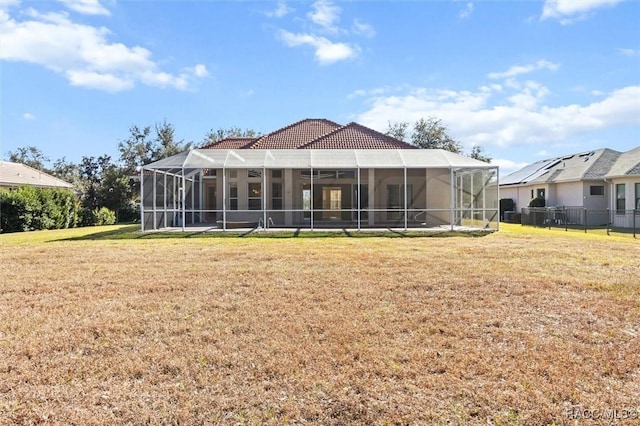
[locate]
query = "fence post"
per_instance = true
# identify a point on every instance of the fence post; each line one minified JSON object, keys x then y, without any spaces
{"x":635,"y":212}
{"x":566,"y":222}
{"x":608,"y":220}
{"x":548,"y":215}
{"x":585,"y":221}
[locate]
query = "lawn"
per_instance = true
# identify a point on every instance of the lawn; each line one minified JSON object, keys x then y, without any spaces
{"x":522,"y":326}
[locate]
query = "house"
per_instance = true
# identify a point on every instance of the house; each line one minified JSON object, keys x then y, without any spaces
{"x":623,"y":180}
{"x":14,"y":175}
{"x":599,"y":181}
{"x":316,"y":173}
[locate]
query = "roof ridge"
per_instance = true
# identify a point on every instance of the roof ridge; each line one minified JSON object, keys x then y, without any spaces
{"x":282,"y":129}
{"x":362,"y":128}
{"x":606,"y":154}
{"x":303,"y":146}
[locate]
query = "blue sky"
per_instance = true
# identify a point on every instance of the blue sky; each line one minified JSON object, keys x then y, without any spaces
{"x":524,"y":79}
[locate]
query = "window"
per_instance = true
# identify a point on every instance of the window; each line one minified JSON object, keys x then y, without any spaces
{"x":255,"y":196}
{"x":620,"y":198}
{"x":541,"y":193}
{"x":233,"y":196}
{"x":254,"y":173}
{"x":276,"y":196}
{"x":637,"y":196}
{"x":596,"y":190}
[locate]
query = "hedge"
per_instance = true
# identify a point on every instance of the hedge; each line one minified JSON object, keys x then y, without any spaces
{"x":30,"y":208}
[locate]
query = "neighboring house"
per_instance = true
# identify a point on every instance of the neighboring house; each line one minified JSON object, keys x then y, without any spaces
{"x":317,"y":173}
{"x":15,"y":175}
{"x":624,"y":186}
{"x":594,"y":180}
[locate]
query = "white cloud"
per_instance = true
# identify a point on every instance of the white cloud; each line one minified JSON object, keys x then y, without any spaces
{"x":484,"y":117}
{"x":280,"y":11}
{"x":628,"y":52}
{"x":507,"y":166}
{"x":325,"y":14}
{"x":569,"y":11}
{"x":326,"y":51}
{"x":84,"y":55}
{"x":517,"y":70}
{"x":466,"y":12}
{"x":28,"y":116}
{"x":88,"y":7}
{"x":362,"y":28}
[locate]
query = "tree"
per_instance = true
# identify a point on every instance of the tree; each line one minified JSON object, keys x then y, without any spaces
{"x":139,"y":149}
{"x":67,"y":171}
{"x":31,"y":156}
{"x":478,"y":153}
{"x":136,"y":150}
{"x":433,"y":134}
{"x":232,"y":132}
{"x":397,"y":130}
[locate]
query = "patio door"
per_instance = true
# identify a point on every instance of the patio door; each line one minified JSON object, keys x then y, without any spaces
{"x":331,"y":202}
{"x":210,"y":202}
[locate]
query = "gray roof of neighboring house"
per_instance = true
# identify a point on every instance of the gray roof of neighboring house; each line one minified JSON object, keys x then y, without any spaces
{"x":588,"y":165}
{"x":17,"y":174}
{"x":628,"y":164}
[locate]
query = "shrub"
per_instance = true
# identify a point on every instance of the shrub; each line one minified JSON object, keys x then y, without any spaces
{"x":29,"y":208}
{"x":537,"y":202}
{"x":105,"y":216}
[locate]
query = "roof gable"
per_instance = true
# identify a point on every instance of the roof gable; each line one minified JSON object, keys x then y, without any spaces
{"x":295,"y":135}
{"x":627,"y":164}
{"x":356,"y":136}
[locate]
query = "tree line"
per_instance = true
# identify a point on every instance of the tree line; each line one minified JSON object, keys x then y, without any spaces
{"x":108,"y":191}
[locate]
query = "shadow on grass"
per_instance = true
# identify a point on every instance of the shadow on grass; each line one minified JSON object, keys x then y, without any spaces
{"x":132,"y":232}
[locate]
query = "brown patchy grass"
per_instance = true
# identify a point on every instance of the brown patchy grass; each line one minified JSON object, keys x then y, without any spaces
{"x":512,"y":328}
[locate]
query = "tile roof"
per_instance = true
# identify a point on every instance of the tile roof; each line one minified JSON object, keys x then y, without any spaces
{"x":230,"y":143}
{"x":356,"y":136}
{"x":17,"y":174}
{"x":313,"y":133}
{"x":295,"y":135}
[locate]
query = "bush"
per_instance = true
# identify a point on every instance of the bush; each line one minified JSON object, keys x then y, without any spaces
{"x":105,"y":216}
{"x":29,"y":208}
{"x":537,"y":202}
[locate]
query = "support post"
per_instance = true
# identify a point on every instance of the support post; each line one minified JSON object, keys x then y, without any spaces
{"x":406,"y":212}
{"x":224,"y":199}
{"x":311,"y":198}
{"x":183,"y":199}
{"x":358,"y":190}
{"x":155,"y":186}
{"x":142,"y":199}
{"x":452,"y":202}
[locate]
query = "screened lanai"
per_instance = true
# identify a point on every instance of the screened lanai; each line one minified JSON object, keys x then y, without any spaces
{"x":319,"y":188}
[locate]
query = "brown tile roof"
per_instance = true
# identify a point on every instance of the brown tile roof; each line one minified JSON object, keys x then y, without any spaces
{"x":356,"y":136}
{"x":295,"y":135}
{"x":230,"y":143}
